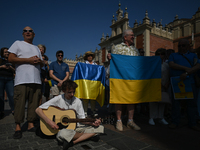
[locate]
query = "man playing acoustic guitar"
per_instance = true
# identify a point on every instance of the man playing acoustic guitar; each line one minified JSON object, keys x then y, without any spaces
{"x":66,"y":102}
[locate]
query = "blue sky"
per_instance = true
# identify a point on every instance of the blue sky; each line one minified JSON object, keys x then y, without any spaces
{"x":76,"y":26}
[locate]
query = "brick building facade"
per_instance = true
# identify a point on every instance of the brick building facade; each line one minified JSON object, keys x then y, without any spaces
{"x":149,"y":35}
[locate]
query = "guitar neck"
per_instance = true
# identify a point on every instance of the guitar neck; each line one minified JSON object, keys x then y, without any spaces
{"x":78,"y":120}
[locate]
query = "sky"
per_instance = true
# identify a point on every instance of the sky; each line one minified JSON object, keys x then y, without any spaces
{"x":76,"y":26}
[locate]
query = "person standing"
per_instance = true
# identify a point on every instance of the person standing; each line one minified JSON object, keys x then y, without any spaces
{"x":156,"y":109}
{"x":6,"y":81}
{"x":43,"y":71}
{"x":126,"y":48}
{"x":182,"y":64}
{"x":59,"y":72}
{"x":89,"y":56}
{"x":28,"y":61}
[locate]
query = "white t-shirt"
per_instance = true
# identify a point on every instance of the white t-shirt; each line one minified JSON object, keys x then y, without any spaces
{"x":63,"y":103}
{"x":26,"y":73}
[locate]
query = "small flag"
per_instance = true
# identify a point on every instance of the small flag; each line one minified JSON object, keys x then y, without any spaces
{"x":91,"y":82}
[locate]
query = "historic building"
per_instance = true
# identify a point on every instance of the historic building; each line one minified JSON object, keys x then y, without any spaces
{"x":71,"y":63}
{"x":149,"y":35}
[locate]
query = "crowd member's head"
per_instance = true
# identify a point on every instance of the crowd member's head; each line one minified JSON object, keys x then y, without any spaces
{"x":42,"y":48}
{"x":128,"y":37}
{"x":89,"y":56}
{"x":168,"y":52}
{"x":59,"y":55}
{"x":44,"y":57}
{"x":28,"y":34}
{"x":162,"y":53}
{"x":183,"y":46}
{"x":4,"y":52}
{"x":69,"y":88}
{"x":141,"y":51}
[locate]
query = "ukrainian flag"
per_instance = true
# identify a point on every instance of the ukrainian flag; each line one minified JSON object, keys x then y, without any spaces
{"x":135,"y":79}
{"x":91,"y":82}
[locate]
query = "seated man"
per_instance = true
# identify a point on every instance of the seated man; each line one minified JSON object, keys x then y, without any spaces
{"x":66,"y":101}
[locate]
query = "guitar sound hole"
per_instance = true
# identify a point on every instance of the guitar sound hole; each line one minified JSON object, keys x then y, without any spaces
{"x":65,"y":120}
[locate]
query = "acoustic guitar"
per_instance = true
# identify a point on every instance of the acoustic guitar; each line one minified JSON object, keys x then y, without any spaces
{"x":63,"y":118}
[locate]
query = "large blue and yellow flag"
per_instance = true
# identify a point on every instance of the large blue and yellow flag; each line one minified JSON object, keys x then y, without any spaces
{"x":91,"y":82}
{"x":135,"y":79}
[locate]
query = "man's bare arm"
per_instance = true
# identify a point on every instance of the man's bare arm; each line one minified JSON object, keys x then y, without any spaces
{"x":34,"y":60}
{"x":178,"y":67}
{"x":186,"y":69}
{"x":40,"y":113}
{"x":66,"y":77}
{"x":53,"y":76}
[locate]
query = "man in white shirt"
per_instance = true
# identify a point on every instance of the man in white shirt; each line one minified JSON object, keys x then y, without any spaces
{"x":28,"y":60}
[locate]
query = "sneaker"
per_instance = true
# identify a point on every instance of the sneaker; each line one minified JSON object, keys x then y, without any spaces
{"x":33,"y":129}
{"x":95,"y":138}
{"x":119,"y":126}
{"x":196,"y":128}
{"x":172,"y":126}
{"x":132,"y":125}
{"x":163,"y":121}
{"x":17,"y":134}
{"x":151,"y":122}
{"x":66,"y":144}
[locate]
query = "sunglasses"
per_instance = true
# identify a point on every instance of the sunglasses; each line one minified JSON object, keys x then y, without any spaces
{"x":28,"y":31}
{"x":60,"y":55}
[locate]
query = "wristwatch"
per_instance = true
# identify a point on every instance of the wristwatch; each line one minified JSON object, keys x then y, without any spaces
{"x":186,"y":73}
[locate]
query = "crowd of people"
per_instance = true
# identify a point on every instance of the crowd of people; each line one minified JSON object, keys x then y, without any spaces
{"x":25,"y":76}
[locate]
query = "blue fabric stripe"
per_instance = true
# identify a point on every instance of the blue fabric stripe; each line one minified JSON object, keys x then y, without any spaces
{"x":135,"y":67}
{"x":89,"y":72}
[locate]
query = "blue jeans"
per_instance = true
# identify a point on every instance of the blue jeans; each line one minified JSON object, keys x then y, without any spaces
{"x":191,"y":109}
{"x":6,"y":84}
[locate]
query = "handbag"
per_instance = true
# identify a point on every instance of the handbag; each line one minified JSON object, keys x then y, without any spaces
{"x":196,"y":76}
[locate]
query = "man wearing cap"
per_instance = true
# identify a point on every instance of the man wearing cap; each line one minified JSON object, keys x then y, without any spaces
{"x":59,"y":72}
{"x":28,"y":61}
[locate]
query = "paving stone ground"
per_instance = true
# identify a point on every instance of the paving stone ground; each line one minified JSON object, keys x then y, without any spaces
{"x":111,"y":140}
{"x":30,"y":141}
{"x":158,"y":137}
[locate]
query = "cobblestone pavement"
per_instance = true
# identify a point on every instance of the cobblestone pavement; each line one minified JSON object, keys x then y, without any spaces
{"x":158,"y":137}
{"x":30,"y":141}
{"x":111,"y":140}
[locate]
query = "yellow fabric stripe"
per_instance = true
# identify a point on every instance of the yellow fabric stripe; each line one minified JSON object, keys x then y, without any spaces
{"x":134,"y":91}
{"x":184,"y":95}
{"x":50,"y":83}
{"x":88,"y":89}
